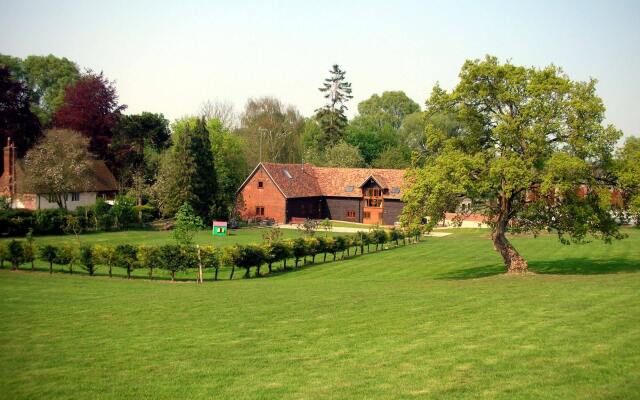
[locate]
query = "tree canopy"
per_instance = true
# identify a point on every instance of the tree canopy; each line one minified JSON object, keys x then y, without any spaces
{"x":531,"y":153}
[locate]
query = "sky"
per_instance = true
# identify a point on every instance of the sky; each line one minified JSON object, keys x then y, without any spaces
{"x":171,"y":56}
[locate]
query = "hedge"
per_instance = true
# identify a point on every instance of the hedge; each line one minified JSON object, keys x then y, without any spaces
{"x":175,"y":258}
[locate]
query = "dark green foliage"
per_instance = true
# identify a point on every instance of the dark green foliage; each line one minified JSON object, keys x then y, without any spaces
{"x":66,"y":255}
{"x":313,"y":247}
{"x":87,"y":259}
{"x":277,"y":251}
{"x":49,"y":254}
{"x":123,"y":212}
{"x":299,"y":249}
{"x":211,"y":259}
{"x":126,"y":257}
{"x":187,"y":224}
{"x":15,"y":253}
{"x":29,"y":249}
{"x":340,"y":244}
{"x":175,"y":258}
{"x":331,"y":117}
{"x":250,"y":256}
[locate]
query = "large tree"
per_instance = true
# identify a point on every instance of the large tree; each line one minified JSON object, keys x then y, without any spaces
{"x":331,"y":117}
{"x":532,"y":154}
{"x":47,"y":78}
{"x":390,"y":108}
{"x":16,"y":119}
{"x":71,"y":171}
{"x":628,"y":177}
{"x":91,"y":107}
{"x":187,"y":174}
{"x":273,"y":129}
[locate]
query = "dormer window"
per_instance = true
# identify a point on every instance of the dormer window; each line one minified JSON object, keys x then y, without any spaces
{"x":260,"y":184}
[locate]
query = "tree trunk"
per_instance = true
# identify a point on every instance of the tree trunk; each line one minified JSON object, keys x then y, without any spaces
{"x":270,"y":269}
{"x":324,"y":260}
{"x":258,"y":271}
{"x":284,"y":264}
{"x":128,"y":273}
{"x":246,"y":274}
{"x":233,"y":270}
{"x":110,"y":268}
{"x":297,"y":260}
{"x":33,"y":267}
{"x":334,"y":256}
{"x":150,"y":273}
{"x":71,"y":268}
{"x":513,"y":261}
{"x":173,"y":276}
{"x":50,"y":267}
{"x":215,"y":277}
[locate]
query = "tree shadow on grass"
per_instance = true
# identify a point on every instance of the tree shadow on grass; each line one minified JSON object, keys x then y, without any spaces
{"x":567,"y":266}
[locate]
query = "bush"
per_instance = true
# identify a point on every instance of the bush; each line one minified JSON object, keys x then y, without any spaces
{"x":29,"y":249}
{"x":16,"y":222}
{"x":187,"y":224}
{"x":149,"y":257}
{"x":250,"y":255}
{"x":87,"y":259}
{"x":67,"y":254}
{"x":340,"y":245}
{"x":15,"y":252}
{"x":105,"y":255}
{"x":126,"y":257}
{"x":123,"y":212}
{"x":210,"y":258}
{"x":50,"y":222}
{"x":299,"y":249}
{"x":176,"y":258}
{"x":49,"y":254}
{"x":313,"y":247}
{"x":230,"y":257}
{"x":103,"y":219}
{"x":4,"y":253}
{"x":277,"y":251}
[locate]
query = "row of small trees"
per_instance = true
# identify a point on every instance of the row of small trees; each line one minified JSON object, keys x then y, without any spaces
{"x":174,"y":258}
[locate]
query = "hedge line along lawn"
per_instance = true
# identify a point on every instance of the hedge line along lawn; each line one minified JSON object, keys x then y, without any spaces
{"x":433,"y":320}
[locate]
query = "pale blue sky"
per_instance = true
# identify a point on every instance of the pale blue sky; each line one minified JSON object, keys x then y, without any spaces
{"x":171,"y":56}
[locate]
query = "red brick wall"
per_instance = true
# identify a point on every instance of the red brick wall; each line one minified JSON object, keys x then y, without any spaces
{"x":268,"y":197}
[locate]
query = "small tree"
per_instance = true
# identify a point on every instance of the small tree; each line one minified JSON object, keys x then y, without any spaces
{"x":87,"y":259}
{"x":210,"y":258}
{"x":67,"y":255}
{"x":272,"y":235}
{"x":126,"y":257}
{"x":277,"y":251}
{"x":394,"y":235}
{"x":105,"y":255}
{"x":340,"y":245}
{"x":15,"y":253}
{"x":381,"y":238}
{"x":176,"y":258}
{"x":48,"y":253}
{"x":230,"y":258}
{"x":299,"y":249}
{"x":330,"y":247}
{"x":322,"y":247}
{"x":149,"y":257}
{"x":313,"y":247}
{"x":250,"y":256}
{"x":187,"y":224}
{"x":29,"y":249}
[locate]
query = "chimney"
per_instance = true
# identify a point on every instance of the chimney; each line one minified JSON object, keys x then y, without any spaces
{"x":8,"y":164}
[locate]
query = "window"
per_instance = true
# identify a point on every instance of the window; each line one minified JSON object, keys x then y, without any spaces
{"x":395,"y":189}
{"x":260,"y":184}
{"x":373,"y":197}
{"x":287,"y":173}
{"x":367,"y":214}
{"x":260,"y":211}
{"x":351,"y":214}
{"x":75,"y":196}
{"x":348,"y":189}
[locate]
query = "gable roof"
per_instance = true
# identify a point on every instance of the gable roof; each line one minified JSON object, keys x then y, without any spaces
{"x":294,"y":180}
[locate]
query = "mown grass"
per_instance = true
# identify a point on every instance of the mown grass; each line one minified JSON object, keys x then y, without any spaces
{"x":433,"y":320}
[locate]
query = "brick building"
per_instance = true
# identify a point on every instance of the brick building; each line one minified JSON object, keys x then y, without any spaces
{"x":291,"y":192}
{"x":102,"y":184}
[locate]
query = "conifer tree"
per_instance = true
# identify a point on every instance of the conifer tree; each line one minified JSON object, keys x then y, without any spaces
{"x":331,"y":117}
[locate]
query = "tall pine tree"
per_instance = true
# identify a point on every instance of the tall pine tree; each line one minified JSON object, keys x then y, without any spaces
{"x":331,"y":117}
{"x":187,"y":174}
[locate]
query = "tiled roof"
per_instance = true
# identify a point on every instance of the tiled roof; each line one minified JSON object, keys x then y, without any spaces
{"x":310,"y":181}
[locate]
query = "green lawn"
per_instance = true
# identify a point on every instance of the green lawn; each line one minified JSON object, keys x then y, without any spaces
{"x":433,"y":320}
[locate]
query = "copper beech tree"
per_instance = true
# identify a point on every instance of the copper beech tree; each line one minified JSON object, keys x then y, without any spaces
{"x":531,"y":153}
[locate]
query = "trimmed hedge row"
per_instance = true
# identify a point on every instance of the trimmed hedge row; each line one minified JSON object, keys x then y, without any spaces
{"x":175,"y":258}
{"x":100,"y":216}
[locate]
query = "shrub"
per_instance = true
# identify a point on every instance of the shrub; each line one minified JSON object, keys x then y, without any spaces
{"x":16,"y":222}
{"x":87,"y":259}
{"x":340,"y":245}
{"x":230,"y":257}
{"x":278,"y":251}
{"x":15,"y":252}
{"x":381,"y":238}
{"x":122,"y":212}
{"x":145,"y":213}
{"x":250,"y":255}
{"x":149,"y":257}
{"x":29,"y":249}
{"x":50,"y":221}
{"x":67,"y":254}
{"x":299,"y":249}
{"x":394,"y":235}
{"x":326,"y":225}
{"x":105,"y":255}
{"x":171,"y":257}
{"x":102,"y":217}
{"x":126,"y":257}
{"x":210,"y":259}
{"x":49,"y":254}
{"x":4,"y":253}
{"x":308,"y":227}
{"x":313,"y":247}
